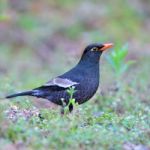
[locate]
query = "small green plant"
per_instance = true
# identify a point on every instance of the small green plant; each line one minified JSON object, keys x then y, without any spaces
{"x":72,"y":103}
{"x":118,"y":62}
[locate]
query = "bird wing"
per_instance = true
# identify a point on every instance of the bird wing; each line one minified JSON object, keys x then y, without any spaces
{"x":60,"y":82}
{"x":56,"y":84}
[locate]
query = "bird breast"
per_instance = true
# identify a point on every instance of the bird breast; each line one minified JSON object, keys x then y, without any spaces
{"x":86,"y":89}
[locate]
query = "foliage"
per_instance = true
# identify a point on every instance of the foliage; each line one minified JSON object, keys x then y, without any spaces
{"x":117,"y":60}
{"x":107,"y":122}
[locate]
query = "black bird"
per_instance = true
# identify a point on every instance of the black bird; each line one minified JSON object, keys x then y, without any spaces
{"x":84,"y":77}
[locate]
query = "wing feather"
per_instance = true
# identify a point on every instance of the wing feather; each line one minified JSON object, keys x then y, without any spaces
{"x":60,"y":82}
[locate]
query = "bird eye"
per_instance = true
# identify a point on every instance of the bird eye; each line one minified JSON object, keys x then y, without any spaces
{"x":94,"y":49}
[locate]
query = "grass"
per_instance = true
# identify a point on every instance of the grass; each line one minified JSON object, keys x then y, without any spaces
{"x":108,"y":121}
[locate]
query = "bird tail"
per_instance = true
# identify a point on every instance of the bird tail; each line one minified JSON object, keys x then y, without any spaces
{"x":26,"y":93}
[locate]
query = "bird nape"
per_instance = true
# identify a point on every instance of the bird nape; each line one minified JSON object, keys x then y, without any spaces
{"x":84,"y":77}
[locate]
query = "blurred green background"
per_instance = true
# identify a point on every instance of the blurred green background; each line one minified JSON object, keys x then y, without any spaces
{"x":34,"y":33}
{"x":40,"y":39}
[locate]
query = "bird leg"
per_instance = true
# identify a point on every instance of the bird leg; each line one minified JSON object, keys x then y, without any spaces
{"x":64,"y":104}
{"x":66,"y":107}
{"x":70,"y":107}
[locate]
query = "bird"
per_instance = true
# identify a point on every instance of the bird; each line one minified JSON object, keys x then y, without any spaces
{"x":83,"y":77}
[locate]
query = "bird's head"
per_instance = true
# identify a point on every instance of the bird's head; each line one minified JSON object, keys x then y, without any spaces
{"x":93,"y":52}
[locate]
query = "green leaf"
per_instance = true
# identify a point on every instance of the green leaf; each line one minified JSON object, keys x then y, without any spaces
{"x":117,"y":59}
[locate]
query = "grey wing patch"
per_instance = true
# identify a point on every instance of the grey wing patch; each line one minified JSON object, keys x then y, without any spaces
{"x":65,"y":83}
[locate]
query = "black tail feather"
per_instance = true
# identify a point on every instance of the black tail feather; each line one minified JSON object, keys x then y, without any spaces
{"x":26,"y":93}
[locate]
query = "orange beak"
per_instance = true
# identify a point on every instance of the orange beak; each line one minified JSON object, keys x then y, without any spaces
{"x":106,"y":46}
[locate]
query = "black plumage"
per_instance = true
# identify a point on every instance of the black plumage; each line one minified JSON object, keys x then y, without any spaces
{"x":84,"y":77}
